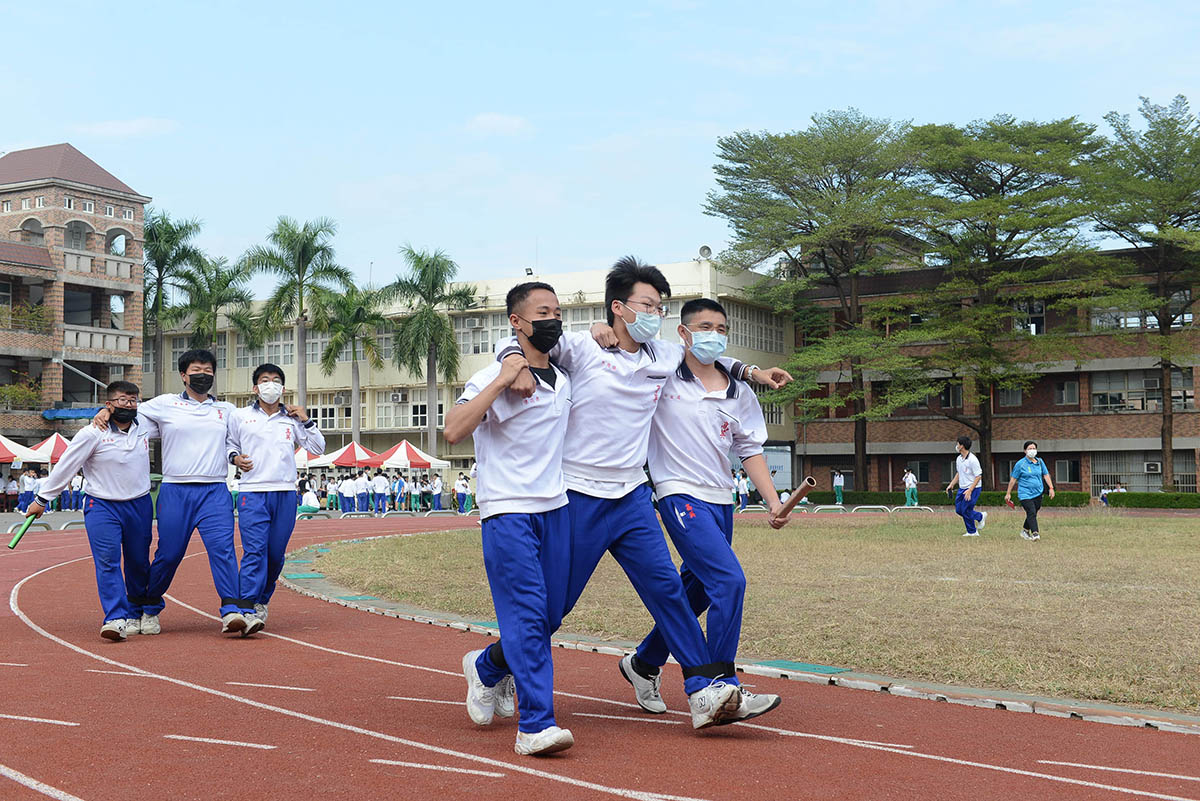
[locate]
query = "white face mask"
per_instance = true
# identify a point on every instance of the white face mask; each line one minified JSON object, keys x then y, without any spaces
{"x":1031,"y":453}
{"x":270,"y":391}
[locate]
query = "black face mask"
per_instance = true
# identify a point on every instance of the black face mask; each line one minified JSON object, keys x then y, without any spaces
{"x":124,"y":415}
{"x":200,"y":383}
{"x":545,"y":334}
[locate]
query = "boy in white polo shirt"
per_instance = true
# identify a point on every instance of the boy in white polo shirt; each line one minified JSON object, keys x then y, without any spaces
{"x":968,"y":475}
{"x":362,"y":489}
{"x":526,"y":529}
{"x":380,"y":484}
{"x":118,"y":514}
{"x":262,"y":443}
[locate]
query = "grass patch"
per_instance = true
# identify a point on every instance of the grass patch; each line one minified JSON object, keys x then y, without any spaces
{"x":1104,"y":607}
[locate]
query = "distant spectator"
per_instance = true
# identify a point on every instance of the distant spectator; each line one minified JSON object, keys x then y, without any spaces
{"x":910,"y":488}
{"x":839,"y":483}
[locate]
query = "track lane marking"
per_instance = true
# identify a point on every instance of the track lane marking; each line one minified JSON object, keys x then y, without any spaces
{"x":1122,"y":770}
{"x":37,"y":786}
{"x":212,"y":741}
{"x":114,"y":672}
{"x":629,"y":717}
{"x":424,"y":766}
{"x":271,"y":686}
{"x":13,"y":664}
{"x":38,"y":720}
{"x":425,"y":700}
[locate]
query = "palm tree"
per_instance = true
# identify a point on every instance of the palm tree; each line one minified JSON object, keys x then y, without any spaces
{"x":168,"y":249}
{"x":352,"y":318}
{"x":302,"y":257}
{"x":426,"y":334}
{"x":211,"y":289}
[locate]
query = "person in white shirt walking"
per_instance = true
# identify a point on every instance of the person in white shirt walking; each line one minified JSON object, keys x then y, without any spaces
{"x":28,"y":485}
{"x":743,"y":490}
{"x":968,"y":477}
{"x":77,"y":492}
{"x":910,"y":488}
{"x":436,"y":487}
{"x":347,"y":492}
{"x":193,"y":494}
{"x":461,"y":488}
{"x":839,"y":486}
{"x":119,"y":515}
{"x":414,"y":493}
{"x":262,"y":443}
{"x":380,"y":485}
{"x":525,"y":525}
{"x":362,"y":489}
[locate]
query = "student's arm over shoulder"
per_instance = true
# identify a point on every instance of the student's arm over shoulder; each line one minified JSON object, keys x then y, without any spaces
{"x":153,"y":408}
{"x":574,"y":350}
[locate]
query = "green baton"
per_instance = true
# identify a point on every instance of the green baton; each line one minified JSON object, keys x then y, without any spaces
{"x":21,"y":533}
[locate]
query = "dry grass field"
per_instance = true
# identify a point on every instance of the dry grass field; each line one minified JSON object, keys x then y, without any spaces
{"x":1106,"y":606}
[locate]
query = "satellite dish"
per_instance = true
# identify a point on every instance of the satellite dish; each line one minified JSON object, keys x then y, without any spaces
{"x":705,"y":251}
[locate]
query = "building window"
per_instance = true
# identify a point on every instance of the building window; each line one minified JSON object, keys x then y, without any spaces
{"x":1066,"y":471}
{"x":39,"y":202}
{"x":1180,"y":310}
{"x":24,"y":204}
{"x":772,"y":412}
{"x":754,"y":328}
{"x":147,"y":357}
{"x":951,"y":396}
{"x":7,"y":206}
{"x":1066,"y":393}
{"x":109,"y":211}
{"x":281,"y":347}
{"x":920,"y":470}
{"x":89,"y":206}
{"x":68,"y":202}
{"x":178,"y":346}
{"x":127,"y":214}
{"x":385,"y":339}
{"x":419,"y":411}
{"x":1009,"y":397}
{"x":244,"y":354}
{"x":1140,"y":390}
{"x":220,"y":351}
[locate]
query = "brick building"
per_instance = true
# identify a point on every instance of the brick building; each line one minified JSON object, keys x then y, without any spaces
{"x":1096,"y":413}
{"x":70,"y":285}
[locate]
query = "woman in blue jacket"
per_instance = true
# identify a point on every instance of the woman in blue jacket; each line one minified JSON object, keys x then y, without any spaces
{"x":1031,"y":479}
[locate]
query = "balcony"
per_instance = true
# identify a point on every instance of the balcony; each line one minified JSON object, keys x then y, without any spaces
{"x":84,"y":262}
{"x":84,"y":337}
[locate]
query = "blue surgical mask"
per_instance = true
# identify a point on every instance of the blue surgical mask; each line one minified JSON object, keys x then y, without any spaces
{"x":645,"y":327}
{"x":707,"y":346}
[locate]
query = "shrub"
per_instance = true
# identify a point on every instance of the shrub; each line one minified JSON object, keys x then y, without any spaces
{"x":935,"y":498}
{"x":1155,"y":500}
{"x":20,"y":396}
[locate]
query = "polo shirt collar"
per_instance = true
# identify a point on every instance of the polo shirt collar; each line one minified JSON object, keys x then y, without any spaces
{"x":685,"y":373}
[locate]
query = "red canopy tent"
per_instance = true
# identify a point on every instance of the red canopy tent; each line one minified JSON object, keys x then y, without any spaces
{"x":405,"y":454}
{"x":13,"y":452}
{"x":303,"y":458}
{"x":352,"y":455}
{"x":52,"y":447}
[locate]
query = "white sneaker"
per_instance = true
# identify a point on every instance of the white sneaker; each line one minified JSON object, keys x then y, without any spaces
{"x":752,"y":706}
{"x":133,"y":625}
{"x":261,"y":611}
{"x":645,"y":690}
{"x":113,"y":630}
{"x":150,"y":625}
{"x":481,"y":699}
{"x":1033,"y":535}
{"x":233,"y":623}
{"x":546,"y":741}
{"x":716,"y":702}
{"x":1025,"y":535}
{"x":254,"y":624}
{"x":971,"y":534}
{"x":506,"y":697}
{"x":982,"y":520}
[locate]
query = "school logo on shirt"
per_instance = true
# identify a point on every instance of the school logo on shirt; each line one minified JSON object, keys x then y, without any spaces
{"x":287,"y":434}
{"x":220,"y":414}
{"x":724,"y":429}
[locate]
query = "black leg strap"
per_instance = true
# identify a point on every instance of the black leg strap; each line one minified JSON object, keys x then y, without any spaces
{"x":713,"y":670}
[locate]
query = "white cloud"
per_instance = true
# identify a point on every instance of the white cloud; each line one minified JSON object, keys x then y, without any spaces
{"x":127,"y":129}
{"x":490,"y":123}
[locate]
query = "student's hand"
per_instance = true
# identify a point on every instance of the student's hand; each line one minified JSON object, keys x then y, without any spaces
{"x":514,"y":375}
{"x":778,"y":522}
{"x":243,"y":462}
{"x":604,"y":335}
{"x":1008,"y":498}
{"x":1052,"y":493}
{"x":100,"y":421}
{"x":35,"y":509}
{"x":772,"y":377}
{"x":297,"y":411}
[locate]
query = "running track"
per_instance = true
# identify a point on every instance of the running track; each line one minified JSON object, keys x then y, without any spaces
{"x":364,"y":707}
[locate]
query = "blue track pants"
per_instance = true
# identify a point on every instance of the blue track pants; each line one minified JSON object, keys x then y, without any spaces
{"x":266,"y":521}
{"x":117,"y":529}
{"x":964,"y":507}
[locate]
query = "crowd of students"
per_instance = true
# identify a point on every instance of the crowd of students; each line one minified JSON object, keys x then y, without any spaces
{"x":20,"y":490}
{"x":379,"y":492}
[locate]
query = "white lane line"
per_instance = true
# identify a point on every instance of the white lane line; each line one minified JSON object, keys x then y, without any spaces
{"x":271,"y":686}
{"x":424,"y":766}
{"x":637,"y":795}
{"x":629,"y":717}
{"x":33,"y":784}
{"x":1122,"y":770}
{"x":38,"y":720}
{"x":425,"y":700}
{"x":114,"y":672}
{"x":14,"y":664}
{"x":238,"y":743}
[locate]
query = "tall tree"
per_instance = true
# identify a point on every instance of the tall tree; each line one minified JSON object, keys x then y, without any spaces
{"x":302,"y":256}
{"x":424,"y":337}
{"x":168,"y":249}
{"x":211,"y":289}
{"x":832,"y":200}
{"x":1147,"y":183}
{"x":352,"y":318}
{"x":1002,"y":202}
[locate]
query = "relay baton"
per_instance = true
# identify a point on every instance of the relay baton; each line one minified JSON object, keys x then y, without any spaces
{"x":805,"y":486}
{"x":21,"y":533}
{"x":1011,"y":505}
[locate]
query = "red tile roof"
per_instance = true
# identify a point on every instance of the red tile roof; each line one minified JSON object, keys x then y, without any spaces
{"x":20,"y":253}
{"x":57,"y":161}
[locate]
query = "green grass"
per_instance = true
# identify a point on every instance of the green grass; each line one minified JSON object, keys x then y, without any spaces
{"x":1106,"y":606}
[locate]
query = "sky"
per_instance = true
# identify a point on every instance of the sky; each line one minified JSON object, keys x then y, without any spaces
{"x":512,"y":135}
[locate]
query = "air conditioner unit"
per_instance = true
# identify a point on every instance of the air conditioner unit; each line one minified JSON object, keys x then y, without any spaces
{"x":340,"y":400}
{"x":474,"y":322}
{"x":1150,"y":383}
{"x":399,"y":396}
{"x":1152,"y":467}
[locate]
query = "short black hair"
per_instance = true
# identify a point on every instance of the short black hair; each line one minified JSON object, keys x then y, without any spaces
{"x":196,"y":356}
{"x":267,"y":367}
{"x":120,"y":388}
{"x":1028,"y":442}
{"x":965,"y":441}
{"x":698,"y":305}
{"x":630,"y":270}
{"x":516,"y":295}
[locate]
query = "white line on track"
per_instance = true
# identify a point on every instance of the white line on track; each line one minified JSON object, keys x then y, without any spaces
{"x":33,"y":784}
{"x":629,"y":717}
{"x":1122,"y":770}
{"x":272,"y":686}
{"x":114,"y":672}
{"x":425,"y":700}
{"x":13,"y":664}
{"x":424,"y":766}
{"x":238,"y":743}
{"x":38,"y":720}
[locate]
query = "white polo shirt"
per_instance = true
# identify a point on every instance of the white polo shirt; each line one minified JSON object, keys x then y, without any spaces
{"x":346,"y":486}
{"x":968,"y":470}
{"x":76,"y":483}
{"x":607,"y":386}
{"x":519,"y":445}
{"x":380,"y":485}
{"x":28,"y":483}
{"x":270,"y":441}
{"x":437,"y":486}
{"x":193,"y":437}
{"x":361,"y":485}
{"x":117,"y":462}
{"x":693,"y":431}
{"x":910,"y":481}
